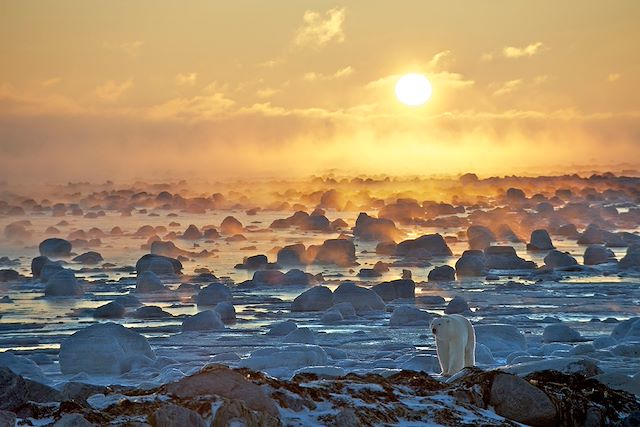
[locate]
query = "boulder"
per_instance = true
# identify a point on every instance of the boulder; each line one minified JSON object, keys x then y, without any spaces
{"x":395,"y":289}
{"x":102,"y":349}
{"x":255,"y":262}
{"x":63,"y":284}
{"x":405,"y":315}
{"x":296,"y":277}
{"x":363,"y":299}
{"x":565,"y":365}
{"x":169,"y":415}
{"x":540,"y":241}
{"x":558,"y":259}
{"x":505,"y":258}
{"x":423,"y":247}
{"x":148,"y":282}
{"x":49,"y":270}
{"x":151,"y":312}
{"x":500,"y":339}
{"x":621,"y":330}
{"x":226,"y":311}
{"x":592,"y":235}
{"x":207,"y":320}
{"x":158,"y":264}
{"x":515,"y":398}
{"x":318,"y":298}
{"x":339,"y":252}
{"x":346,"y":310}
{"x":37,"y":264}
{"x":55,"y":248}
{"x":375,"y":229}
{"x":300,"y":336}
{"x":471,"y":263}
{"x":214,"y":294}
{"x":598,"y":254}
{"x":231,"y":226}
{"x":268,"y":278}
{"x":457,"y":305}
{"x":111,"y":310}
{"x":559,"y":332}
{"x":192,"y":233}
{"x":284,"y":359}
{"x":631,"y":258}
{"x":292,"y":255}
{"x":442,"y":273}
{"x":480,"y":237}
{"x":89,"y":258}
{"x":283,"y":328}
{"x":23,"y":366}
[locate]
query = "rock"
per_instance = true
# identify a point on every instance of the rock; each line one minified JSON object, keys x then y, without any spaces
{"x":331,"y":316}
{"x":540,"y":241}
{"x":604,"y":342}
{"x":346,"y":310}
{"x":631,"y":350}
{"x":268,"y":278}
{"x":405,"y":315}
{"x":375,"y":229}
{"x":422,"y":363}
{"x":170,"y":415}
{"x":515,"y":195}
{"x":158,"y":264}
{"x":423,"y":247}
{"x":151,"y":312}
{"x":111,"y":310}
{"x":231,"y":226}
{"x":565,"y":365}
{"x":8,"y":275}
{"x":339,"y":252}
{"x":207,"y":320}
{"x":619,"y":381}
{"x":592,"y":235}
{"x":443,"y":273}
{"x":89,"y":258}
{"x":457,"y":305}
{"x":471,"y":263}
{"x":73,"y":420}
{"x":505,"y":258}
{"x":128,"y":300}
{"x":631,"y":258}
{"x":292,"y":255}
{"x":284,"y":359}
{"x":318,"y":298}
{"x":568,"y":230}
{"x":297,"y":277}
{"x":37,"y":264}
{"x":430,"y":300}
{"x":597,"y":254}
{"x":559,"y":332}
{"x":214,"y":294}
{"x":395,"y":289}
{"x":556,"y":259}
{"x":484,"y":355}
{"x":55,"y":248}
{"x":480,"y":237}
{"x":283,"y":328}
{"x":63,"y":284}
{"x":148,"y":282}
{"x":167,"y":249}
{"x":218,"y":380}
{"x":255,"y":262}
{"x":582,"y":349}
{"x":500,"y":339}
{"x":23,"y":366}
{"x":13,"y":390}
{"x":49,"y":270}
{"x":300,"y":336}
{"x":226,"y":311}
{"x":363,"y":299}
{"x":515,"y":398}
{"x":7,"y":418}
{"x":232,"y":413}
{"x":102,"y":349}
{"x":192,"y":233}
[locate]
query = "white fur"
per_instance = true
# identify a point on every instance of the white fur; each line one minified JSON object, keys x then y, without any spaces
{"x":455,"y":343}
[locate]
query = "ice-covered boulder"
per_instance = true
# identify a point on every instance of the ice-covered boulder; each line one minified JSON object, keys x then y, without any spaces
{"x":286,"y":359}
{"x":296,"y":277}
{"x":226,"y":311}
{"x":422,"y":363}
{"x":268,"y":278}
{"x":627,"y":330}
{"x":566,"y":365}
{"x":394,"y":289}
{"x":505,"y":258}
{"x":55,"y":248}
{"x":559,"y":332}
{"x":558,"y":259}
{"x":231,"y":226}
{"x":151,"y":312}
{"x":480,"y":237}
{"x":540,"y":241}
{"x":631,"y":258}
{"x":363,"y":299}
{"x":23,"y":366}
{"x":192,"y":233}
{"x":484,"y":355}
{"x":36,"y":265}
{"x":282,"y":328}
{"x":457,"y":305}
{"x":375,"y":229}
{"x":405,"y":315}
{"x":292,"y":255}
{"x":103,"y":349}
{"x":339,"y":252}
{"x":500,"y":339}
{"x":300,"y":336}
{"x":592,"y":235}
{"x":148,"y":282}
{"x":207,"y":320}
{"x":423,"y":247}
{"x":442,"y":273}
{"x":214,"y":294}
{"x":598,"y":254}
{"x":517,"y":399}
{"x":318,"y":298}
{"x":89,"y":258}
{"x":471,"y":263}
{"x":158,"y":264}
{"x":63,"y":284}
{"x":49,"y":270}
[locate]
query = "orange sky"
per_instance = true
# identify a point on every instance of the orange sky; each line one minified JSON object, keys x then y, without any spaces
{"x":115,"y":90}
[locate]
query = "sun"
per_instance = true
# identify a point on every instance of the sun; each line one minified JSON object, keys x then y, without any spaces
{"x":413,"y":89}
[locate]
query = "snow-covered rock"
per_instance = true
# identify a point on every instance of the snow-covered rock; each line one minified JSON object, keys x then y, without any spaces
{"x":318,"y":298}
{"x":300,"y":336}
{"x":63,"y":284}
{"x":500,"y":339}
{"x":214,"y":294}
{"x":559,"y":332}
{"x":102,"y":349}
{"x":363,"y":300}
{"x":207,"y":320}
{"x":23,"y":366}
{"x":405,"y":315}
{"x":283,"y":328}
{"x":226,"y":311}
{"x":149,"y":282}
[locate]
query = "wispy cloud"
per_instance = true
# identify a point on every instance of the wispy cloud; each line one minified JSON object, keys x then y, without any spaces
{"x":506,"y":87}
{"x":186,"y":79}
{"x":111,"y":90}
{"x":128,"y":48}
{"x":519,"y":52}
{"x":339,"y":74}
{"x":439,"y":59}
{"x":317,"y":29}
{"x":266,"y":92}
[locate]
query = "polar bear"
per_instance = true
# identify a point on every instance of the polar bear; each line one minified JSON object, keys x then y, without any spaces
{"x":455,"y":343}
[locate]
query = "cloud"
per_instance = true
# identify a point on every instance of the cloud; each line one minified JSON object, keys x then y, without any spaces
{"x":128,"y":48}
{"x":439,"y":59}
{"x":506,"y":87}
{"x":614,"y":77}
{"x":439,"y":80}
{"x":339,"y":74}
{"x":50,"y":82}
{"x":266,"y":92}
{"x":318,"y":30}
{"x":186,"y":79}
{"x":200,"y":107}
{"x":519,"y":52}
{"x":111,"y":90}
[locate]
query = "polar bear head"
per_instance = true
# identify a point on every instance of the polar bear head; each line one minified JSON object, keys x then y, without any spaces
{"x":442,"y":326}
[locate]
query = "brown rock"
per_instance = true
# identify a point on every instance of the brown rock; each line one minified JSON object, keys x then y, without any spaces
{"x":516,"y":399}
{"x":235,"y":412}
{"x":173,"y":415}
